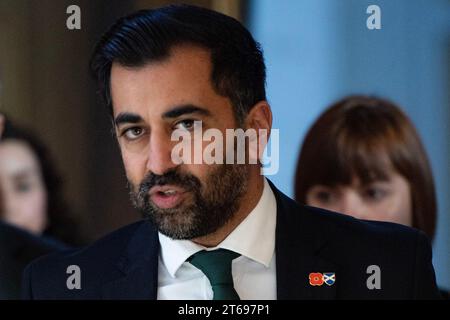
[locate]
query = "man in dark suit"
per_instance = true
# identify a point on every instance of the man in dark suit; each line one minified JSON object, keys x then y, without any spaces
{"x":216,"y":228}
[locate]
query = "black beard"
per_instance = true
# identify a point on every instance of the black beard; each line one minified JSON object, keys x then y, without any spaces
{"x":209,"y":207}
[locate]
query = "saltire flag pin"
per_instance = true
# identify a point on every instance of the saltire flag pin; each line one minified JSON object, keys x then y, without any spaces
{"x":329,"y":278}
{"x":318,"y":278}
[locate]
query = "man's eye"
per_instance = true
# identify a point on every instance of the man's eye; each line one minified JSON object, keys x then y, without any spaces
{"x":187,"y":124}
{"x":133,"y":133}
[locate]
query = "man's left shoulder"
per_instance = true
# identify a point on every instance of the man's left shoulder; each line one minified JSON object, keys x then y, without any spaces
{"x":360,"y":235}
{"x":401,"y":256}
{"x":355,"y":239}
{"x":320,"y":223}
{"x":345,"y":231}
{"x":354,"y":249}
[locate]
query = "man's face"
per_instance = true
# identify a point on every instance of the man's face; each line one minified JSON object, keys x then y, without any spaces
{"x":150,"y":102}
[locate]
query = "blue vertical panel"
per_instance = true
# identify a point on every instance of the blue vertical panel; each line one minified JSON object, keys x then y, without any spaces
{"x":317,"y":51}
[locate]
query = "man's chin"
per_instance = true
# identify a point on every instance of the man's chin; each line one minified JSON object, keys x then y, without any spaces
{"x":180,"y":209}
{"x":180,"y":233}
{"x":182,"y":226}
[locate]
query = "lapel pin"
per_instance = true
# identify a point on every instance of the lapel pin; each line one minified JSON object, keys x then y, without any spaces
{"x":329,"y":278}
{"x":318,"y":278}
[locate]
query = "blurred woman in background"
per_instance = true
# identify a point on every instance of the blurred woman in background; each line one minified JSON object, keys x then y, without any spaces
{"x":31,"y":188}
{"x":18,"y":247}
{"x":364,"y":158}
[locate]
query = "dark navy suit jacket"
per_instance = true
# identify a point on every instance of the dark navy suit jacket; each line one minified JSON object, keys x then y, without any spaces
{"x":124,"y":264}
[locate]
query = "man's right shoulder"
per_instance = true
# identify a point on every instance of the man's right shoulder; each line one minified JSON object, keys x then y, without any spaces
{"x":47,"y":277}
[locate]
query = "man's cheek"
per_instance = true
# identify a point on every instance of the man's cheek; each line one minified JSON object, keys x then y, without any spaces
{"x":134,"y":176}
{"x":200,"y":171}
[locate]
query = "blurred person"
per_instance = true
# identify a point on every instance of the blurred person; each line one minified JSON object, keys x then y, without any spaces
{"x":363,"y":157}
{"x":31,"y":188}
{"x":214,"y":231}
{"x":17,"y":248}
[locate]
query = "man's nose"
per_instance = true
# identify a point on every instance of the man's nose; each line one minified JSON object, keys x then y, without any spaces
{"x":159,"y":153}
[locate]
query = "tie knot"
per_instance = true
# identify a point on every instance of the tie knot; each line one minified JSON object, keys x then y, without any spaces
{"x":216,"y":265}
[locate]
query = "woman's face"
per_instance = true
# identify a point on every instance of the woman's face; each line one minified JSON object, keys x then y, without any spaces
{"x":23,"y":194}
{"x":388,"y":200}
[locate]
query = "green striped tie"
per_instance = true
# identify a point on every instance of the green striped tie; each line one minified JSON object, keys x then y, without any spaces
{"x":216,"y":265}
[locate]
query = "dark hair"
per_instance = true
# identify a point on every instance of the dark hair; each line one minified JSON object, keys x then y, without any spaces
{"x":148,"y":35}
{"x":364,"y":136}
{"x":61,"y":224}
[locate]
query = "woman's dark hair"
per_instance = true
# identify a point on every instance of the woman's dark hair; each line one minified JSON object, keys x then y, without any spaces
{"x":364,"y":137}
{"x":148,"y":35}
{"x":61,"y":225}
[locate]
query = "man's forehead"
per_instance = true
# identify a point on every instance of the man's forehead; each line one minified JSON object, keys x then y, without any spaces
{"x":182,"y":79}
{"x":183,"y":52}
{"x":184,"y":68}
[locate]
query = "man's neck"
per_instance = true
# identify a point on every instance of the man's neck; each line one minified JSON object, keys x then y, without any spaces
{"x":247,"y":204}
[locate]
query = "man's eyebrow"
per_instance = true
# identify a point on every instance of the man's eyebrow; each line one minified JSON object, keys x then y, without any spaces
{"x":127,"y":117}
{"x":185,"y":109}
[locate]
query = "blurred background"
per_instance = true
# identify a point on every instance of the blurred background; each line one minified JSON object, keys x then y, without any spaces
{"x":316,"y":51}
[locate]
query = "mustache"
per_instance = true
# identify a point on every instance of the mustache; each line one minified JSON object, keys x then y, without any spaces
{"x":173,"y":177}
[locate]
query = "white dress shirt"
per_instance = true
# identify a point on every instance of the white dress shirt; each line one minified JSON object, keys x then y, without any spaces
{"x":254,"y":273}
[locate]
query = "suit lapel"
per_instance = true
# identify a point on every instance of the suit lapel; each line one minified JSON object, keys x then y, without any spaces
{"x":136,"y":272}
{"x":293,"y":271}
{"x":300,"y":251}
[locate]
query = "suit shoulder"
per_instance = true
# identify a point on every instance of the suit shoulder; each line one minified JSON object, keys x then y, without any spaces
{"x":294,"y":214}
{"x":350,"y":226}
{"x":316,"y":224}
{"x":349,"y":246}
{"x":107,"y":247}
{"x":354,"y":240}
{"x":45,"y":278}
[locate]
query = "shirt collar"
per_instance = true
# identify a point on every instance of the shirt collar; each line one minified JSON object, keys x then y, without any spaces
{"x":253,"y":238}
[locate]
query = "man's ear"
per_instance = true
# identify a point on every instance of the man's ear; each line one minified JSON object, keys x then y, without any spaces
{"x":259,"y":119}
